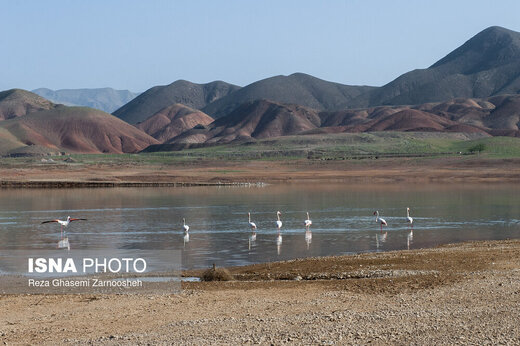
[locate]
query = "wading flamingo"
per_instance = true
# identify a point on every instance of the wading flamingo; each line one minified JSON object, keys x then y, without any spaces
{"x":409,"y":219}
{"x":186,"y":231}
{"x":278,"y":222}
{"x":279,"y":237}
{"x":308,"y":222}
{"x":253,"y":228}
{"x":378,"y":219}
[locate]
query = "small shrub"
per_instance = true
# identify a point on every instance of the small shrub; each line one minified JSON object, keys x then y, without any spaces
{"x":477,"y":148}
{"x":216,"y":274}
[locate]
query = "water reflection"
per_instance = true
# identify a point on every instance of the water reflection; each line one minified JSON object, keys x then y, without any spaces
{"x":409,"y":239}
{"x":279,"y":243}
{"x":381,"y":239}
{"x":64,"y":243}
{"x":308,"y":238}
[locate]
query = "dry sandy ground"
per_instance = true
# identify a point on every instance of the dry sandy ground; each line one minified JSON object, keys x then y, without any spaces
{"x":450,"y":169}
{"x":456,"y":294}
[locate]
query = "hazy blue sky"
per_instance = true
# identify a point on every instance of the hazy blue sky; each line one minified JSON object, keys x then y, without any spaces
{"x":138,"y":44}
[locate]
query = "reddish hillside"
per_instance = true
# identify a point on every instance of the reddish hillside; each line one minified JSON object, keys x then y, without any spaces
{"x":256,"y":119}
{"x":409,"y":120}
{"x":16,"y":102}
{"x":78,"y":129}
{"x":261,"y":119}
{"x":172,"y":121}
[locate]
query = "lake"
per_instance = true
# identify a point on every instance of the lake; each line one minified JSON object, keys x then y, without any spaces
{"x":342,"y":215}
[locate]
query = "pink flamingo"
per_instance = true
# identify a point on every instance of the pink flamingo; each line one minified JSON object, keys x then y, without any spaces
{"x":378,"y":219}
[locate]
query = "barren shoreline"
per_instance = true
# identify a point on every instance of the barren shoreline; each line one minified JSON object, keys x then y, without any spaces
{"x":430,"y":170}
{"x":466,"y":293}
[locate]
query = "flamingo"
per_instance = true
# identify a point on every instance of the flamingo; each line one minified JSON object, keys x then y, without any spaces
{"x":186,"y":230}
{"x":253,"y":228}
{"x":186,"y":227}
{"x":378,"y":219}
{"x":64,"y":241}
{"x":64,"y":223}
{"x":252,"y":224}
{"x":278,"y":222}
{"x":409,"y":219}
{"x":308,"y":222}
{"x":279,"y":237}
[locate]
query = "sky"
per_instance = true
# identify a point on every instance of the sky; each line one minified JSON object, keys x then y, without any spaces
{"x":135,"y":45}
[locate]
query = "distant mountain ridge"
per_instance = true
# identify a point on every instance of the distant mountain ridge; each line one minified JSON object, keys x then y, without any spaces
{"x":190,"y":94}
{"x":105,"y":99}
{"x":486,"y":65}
{"x":297,"y":88}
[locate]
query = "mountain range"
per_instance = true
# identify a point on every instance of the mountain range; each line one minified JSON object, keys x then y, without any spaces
{"x":105,"y":99}
{"x":474,"y":89}
{"x":486,"y":65}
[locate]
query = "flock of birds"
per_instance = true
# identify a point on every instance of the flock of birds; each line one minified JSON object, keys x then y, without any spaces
{"x":64,"y":241}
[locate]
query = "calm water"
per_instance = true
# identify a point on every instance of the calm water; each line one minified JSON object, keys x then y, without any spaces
{"x":151,"y":218}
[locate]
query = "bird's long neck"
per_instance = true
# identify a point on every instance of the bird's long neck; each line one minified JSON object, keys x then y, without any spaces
{"x":184,"y":222}
{"x":407,"y":212}
{"x":278,"y":216}
{"x":377,"y":216}
{"x":249,"y":215}
{"x":308,"y":218}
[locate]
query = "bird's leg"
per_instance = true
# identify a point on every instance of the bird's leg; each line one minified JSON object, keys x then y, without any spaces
{"x":61,"y":231}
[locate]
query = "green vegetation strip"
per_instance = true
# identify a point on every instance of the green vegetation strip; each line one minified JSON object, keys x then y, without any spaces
{"x":344,"y":146}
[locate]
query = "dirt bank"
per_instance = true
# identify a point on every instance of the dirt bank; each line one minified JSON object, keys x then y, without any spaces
{"x":465,"y":293}
{"x":424,"y":170}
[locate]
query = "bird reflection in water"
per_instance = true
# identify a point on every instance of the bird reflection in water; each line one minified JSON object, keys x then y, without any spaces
{"x":409,"y":240}
{"x":279,"y":244}
{"x":64,"y":244}
{"x":186,"y":238}
{"x":251,"y":240}
{"x":381,"y":238}
{"x":308,"y":238}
